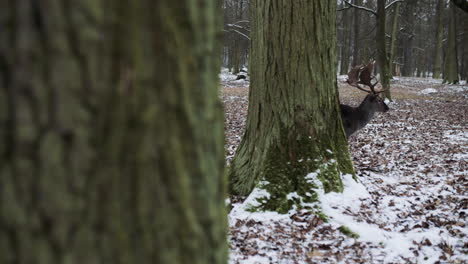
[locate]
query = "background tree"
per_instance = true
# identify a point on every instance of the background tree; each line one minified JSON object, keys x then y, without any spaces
{"x":382,"y":58}
{"x":380,"y":38}
{"x":451,"y":61}
{"x":236,"y":34}
{"x":393,"y":38}
{"x":439,"y":36}
{"x":462,"y":4}
{"x":462,"y":39}
{"x":409,"y":13}
{"x":356,"y":37}
{"x":346,"y":41}
{"x":111,"y":131}
{"x":293,"y":122}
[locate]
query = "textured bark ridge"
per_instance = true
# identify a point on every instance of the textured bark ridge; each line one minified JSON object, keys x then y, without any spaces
{"x":111,"y":133}
{"x":382,"y":49}
{"x":293,"y":123}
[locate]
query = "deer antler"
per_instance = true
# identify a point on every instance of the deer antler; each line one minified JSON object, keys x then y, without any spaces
{"x":354,"y":75}
{"x":366,"y":74}
{"x":362,"y":74}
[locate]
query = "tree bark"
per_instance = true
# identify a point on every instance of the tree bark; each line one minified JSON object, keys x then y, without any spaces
{"x":408,"y":52}
{"x":394,"y":36}
{"x":236,"y":53}
{"x":439,"y":37}
{"x":345,"y":48}
{"x":464,"y":51}
{"x":382,"y":49}
{"x":462,"y":4}
{"x":357,"y":25}
{"x":112,"y":133}
{"x":293,"y":123}
{"x":451,"y":61}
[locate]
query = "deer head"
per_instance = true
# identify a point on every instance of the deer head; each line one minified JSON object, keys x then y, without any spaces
{"x":355,"y":118}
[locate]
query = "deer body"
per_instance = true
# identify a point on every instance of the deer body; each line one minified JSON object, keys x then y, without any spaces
{"x":355,"y":118}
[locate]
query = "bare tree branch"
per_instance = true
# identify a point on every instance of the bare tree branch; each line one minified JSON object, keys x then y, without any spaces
{"x":237,"y":26}
{"x":344,"y":8}
{"x":362,"y":7}
{"x":392,"y":3}
{"x":238,"y":32}
{"x":241,"y":21}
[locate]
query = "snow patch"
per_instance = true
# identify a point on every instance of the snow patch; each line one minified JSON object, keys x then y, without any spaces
{"x":456,"y":137}
{"x":336,"y":206}
{"x":428,"y":91}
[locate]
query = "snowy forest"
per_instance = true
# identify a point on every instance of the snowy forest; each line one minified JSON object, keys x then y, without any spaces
{"x":233,"y":131}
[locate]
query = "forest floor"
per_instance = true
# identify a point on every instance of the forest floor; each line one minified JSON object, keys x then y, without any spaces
{"x":410,"y":204}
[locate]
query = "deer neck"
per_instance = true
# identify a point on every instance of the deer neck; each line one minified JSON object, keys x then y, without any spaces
{"x":366,"y":113}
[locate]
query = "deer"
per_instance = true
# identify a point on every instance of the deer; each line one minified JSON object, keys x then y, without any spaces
{"x":355,"y":118}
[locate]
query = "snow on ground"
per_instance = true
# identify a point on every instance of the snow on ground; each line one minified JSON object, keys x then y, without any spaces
{"x":428,"y":91}
{"x":410,"y":202}
{"x":229,"y":80}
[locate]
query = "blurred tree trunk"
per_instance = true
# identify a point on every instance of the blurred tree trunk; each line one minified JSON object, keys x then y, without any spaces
{"x":112,"y":133}
{"x":345,"y":48}
{"x":234,"y":54}
{"x":236,"y":44}
{"x":462,"y":4}
{"x":408,"y":52}
{"x":382,"y":49}
{"x":293,"y":124}
{"x":451,"y":63}
{"x":439,"y":36}
{"x":393,"y":38}
{"x":357,"y":25}
{"x":237,"y":48}
{"x":463,"y":55}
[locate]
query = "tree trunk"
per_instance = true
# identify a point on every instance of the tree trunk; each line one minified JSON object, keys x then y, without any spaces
{"x":234,"y":55}
{"x":394,"y":36}
{"x":464,"y":51}
{"x":439,"y":37}
{"x":112,"y":133}
{"x":382,"y":49}
{"x":293,"y":124}
{"x":408,"y":52}
{"x":451,"y":62}
{"x":357,"y":25}
{"x":236,"y":51}
{"x":462,"y":4}
{"x":345,"y":50}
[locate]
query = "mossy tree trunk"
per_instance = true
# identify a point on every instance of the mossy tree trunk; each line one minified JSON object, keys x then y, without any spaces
{"x":293,"y":123}
{"x":111,"y":131}
{"x":439,"y":36}
{"x":451,"y":62}
{"x":382,"y":49}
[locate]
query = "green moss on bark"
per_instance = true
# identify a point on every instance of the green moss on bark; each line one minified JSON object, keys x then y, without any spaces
{"x":287,"y":171}
{"x":345,"y":230}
